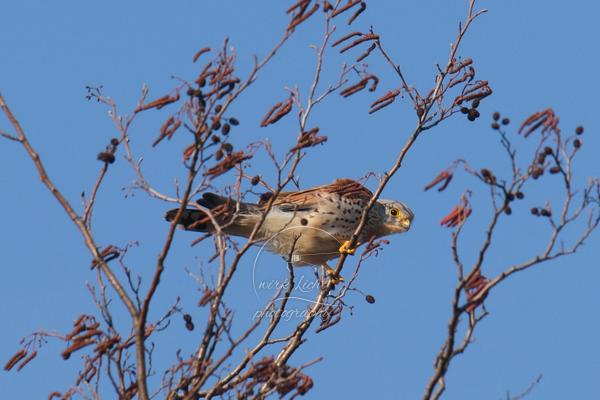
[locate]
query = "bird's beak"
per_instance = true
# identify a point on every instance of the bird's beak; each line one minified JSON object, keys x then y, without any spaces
{"x":405,"y":223}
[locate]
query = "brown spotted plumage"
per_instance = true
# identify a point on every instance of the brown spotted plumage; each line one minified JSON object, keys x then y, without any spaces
{"x":325,"y":217}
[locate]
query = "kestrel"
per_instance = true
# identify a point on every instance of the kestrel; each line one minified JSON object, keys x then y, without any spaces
{"x":324,"y":218}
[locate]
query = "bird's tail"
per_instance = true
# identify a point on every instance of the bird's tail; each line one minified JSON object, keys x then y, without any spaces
{"x":234,"y":221}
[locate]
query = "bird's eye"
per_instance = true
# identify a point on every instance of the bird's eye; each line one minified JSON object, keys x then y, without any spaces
{"x":394,"y":212}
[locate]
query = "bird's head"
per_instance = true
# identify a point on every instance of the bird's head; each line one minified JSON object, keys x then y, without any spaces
{"x":398,"y":216}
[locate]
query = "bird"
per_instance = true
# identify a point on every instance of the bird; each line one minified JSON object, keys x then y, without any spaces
{"x":313,"y":225}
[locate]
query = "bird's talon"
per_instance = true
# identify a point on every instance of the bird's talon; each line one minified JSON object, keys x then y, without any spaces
{"x":345,"y":248}
{"x":335,"y":279}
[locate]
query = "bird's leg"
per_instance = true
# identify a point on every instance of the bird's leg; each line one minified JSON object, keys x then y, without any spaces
{"x":345,"y":248}
{"x":335,"y":279}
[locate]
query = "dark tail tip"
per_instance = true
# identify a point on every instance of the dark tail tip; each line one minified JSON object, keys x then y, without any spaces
{"x":211,"y":200}
{"x":188,"y":220}
{"x":170,"y":215}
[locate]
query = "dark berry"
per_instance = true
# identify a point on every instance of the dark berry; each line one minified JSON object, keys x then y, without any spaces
{"x":225,"y":129}
{"x":228,"y":147}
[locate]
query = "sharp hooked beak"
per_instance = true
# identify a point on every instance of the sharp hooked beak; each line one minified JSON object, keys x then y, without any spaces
{"x":405,"y":223}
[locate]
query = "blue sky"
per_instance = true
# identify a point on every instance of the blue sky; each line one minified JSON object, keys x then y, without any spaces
{"x":534,"y":54}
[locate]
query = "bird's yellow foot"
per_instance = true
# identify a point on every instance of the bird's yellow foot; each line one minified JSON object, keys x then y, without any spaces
{"x":345,"y":248}
{"x":335,"y":279}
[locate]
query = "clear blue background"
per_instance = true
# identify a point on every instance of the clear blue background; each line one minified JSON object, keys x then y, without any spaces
{"x":535,"y":54}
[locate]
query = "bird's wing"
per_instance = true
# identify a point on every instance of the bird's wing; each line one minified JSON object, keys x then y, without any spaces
{"x":307,"y":199}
